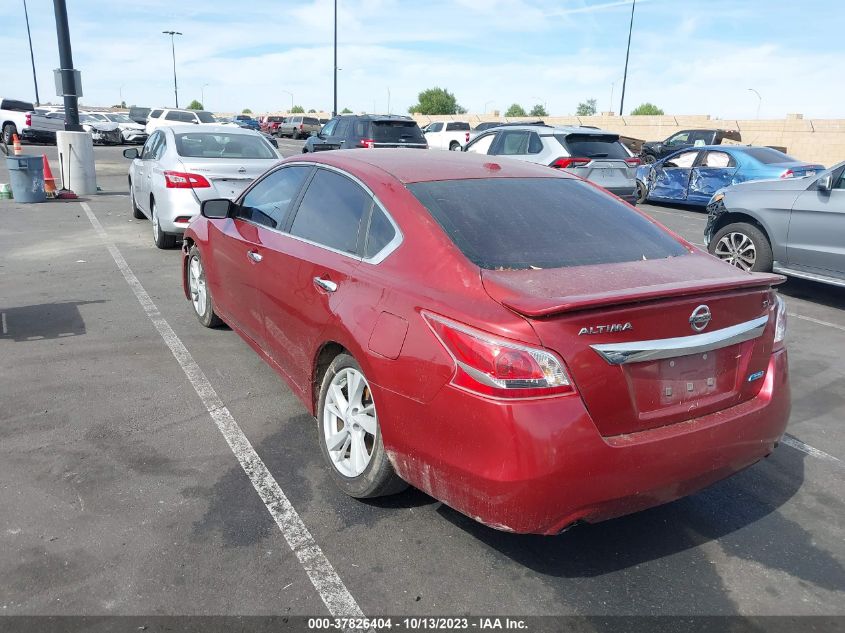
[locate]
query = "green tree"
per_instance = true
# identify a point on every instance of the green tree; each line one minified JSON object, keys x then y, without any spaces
{"x":646,"y":108}
{"x":538,"y":110}
{"x":195,"y":105}
{"x":586,"y":108}
{"x":297,"y":109}
{"x":515,"y":110}
{"x":436,"y":101}
{"x":346,"y":111}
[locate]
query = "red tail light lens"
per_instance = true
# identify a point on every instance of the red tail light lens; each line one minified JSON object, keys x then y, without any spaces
{"x":633,"y":161}
{"x":367,"y":142}
{"x":466,"y":140}
{"x":182,"y":180}
{"x":563,"y":163}
{"x":787,"y":174}
{"x":492,"y":366}
{"x":28,"y":119}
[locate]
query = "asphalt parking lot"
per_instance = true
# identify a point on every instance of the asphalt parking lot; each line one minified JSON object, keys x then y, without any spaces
{"x":120,"y":495}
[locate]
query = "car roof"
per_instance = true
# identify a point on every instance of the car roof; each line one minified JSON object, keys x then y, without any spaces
{"x":561,"y":129}
{"x":378,"y":117}
{"x":412,"y":165}
{"x":192,"y":127}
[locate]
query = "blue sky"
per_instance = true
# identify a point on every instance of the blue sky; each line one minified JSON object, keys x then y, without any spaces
{"x":687,"y":56}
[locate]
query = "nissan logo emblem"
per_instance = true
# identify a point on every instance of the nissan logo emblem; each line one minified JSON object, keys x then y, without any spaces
{"x":699,"y":318}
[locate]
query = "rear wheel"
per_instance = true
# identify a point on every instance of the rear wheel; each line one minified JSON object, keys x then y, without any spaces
{"x":350,"y":436}
{"x":200,"y":293}
{"x":9,"y":130}
{"x":162,"y":240}
{"x":454,"y":146}
{"x":743,"y":245}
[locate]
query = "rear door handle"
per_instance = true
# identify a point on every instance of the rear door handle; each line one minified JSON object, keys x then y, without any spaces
{"x":325,"y":284}
{"x":255,"y":256}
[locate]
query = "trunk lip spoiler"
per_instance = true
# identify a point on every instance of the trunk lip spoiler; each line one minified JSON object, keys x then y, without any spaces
{"x":544,"y":307}
{"x":657,"y":349}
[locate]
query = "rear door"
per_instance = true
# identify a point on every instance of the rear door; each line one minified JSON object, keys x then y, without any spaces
{"x":520,"y":144}
{"x":311,"y":267}
{"x":144,"y":166}
{"x":816,"y":237}
{"x":669,"y":179}
{"x":714,"y":171}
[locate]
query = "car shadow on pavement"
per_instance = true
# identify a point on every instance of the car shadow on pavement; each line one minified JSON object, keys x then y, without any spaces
{"x":43,"y":321}
{"x":817,"y":292}
{"x":741,"y":513}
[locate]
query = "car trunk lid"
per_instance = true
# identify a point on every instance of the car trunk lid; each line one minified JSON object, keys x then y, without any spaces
{"x":228,"y":177}
{"x":635,"y":340}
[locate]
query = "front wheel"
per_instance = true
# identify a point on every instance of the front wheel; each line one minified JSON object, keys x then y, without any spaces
{"x":642,"y":192}
{"x":200,"y":293}
{"x":162,"y":240}
{"x":743,"y":245}
{"x":648,"y":159}
{"x":350,"y":436}
{"x":136,"y":212}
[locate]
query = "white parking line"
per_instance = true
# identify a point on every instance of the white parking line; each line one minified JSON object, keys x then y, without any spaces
{"x":3,"y":317}
{"x":817,"y":321}
{"x":682,"y":215}
{"x":806,"y":448}
{"x":325,"y":579}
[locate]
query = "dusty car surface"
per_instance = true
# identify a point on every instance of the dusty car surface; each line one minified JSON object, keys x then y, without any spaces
{"x":508,"y":338}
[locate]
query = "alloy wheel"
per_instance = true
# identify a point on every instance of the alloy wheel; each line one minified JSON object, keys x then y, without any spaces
{"x":737,"y":249}
{"x":350,"y":423}
{"x":196,"y":285}
{"x":156,"y":227}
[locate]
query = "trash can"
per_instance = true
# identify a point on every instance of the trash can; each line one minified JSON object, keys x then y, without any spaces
{"x":27,"y":178}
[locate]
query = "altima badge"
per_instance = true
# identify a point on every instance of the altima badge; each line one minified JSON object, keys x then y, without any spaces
{"x":699,"y":318}
{"x":603,"y":329}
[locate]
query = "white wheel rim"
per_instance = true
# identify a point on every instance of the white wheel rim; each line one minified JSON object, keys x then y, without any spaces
{"x":350,"y":423}
{"x":156,"y":227}
{"x":196,"y":284}
{"x":737,"y":249}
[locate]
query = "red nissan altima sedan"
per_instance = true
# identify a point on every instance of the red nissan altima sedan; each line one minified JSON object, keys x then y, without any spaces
{"x":510,"y":339}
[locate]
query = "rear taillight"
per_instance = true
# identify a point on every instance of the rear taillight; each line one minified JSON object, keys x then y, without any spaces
{"x":367,"y":142}
{"x":563,"y":163}
{"x":787,"y":174}
{"x":301,"y":127}
{"x":780,"y":320}
{"x":466,"y":138}
{"x":28,"y":119}
{"x":182,"y":180}
{"x":491,"y":366}
{"x":633,"y":161}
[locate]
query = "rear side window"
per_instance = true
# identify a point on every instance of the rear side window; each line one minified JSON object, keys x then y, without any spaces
{"x":154,"y":114}
{"x":16,"y":106}
{"x":767,"y":155}
{"x":331,"y":212}
{"x":397,"y":131}
{"x":457,"y":126}
{"x":592,"y":146}
{"x":519,"y":223}
{"x":184,"y":117}
{"x":380,"y":233}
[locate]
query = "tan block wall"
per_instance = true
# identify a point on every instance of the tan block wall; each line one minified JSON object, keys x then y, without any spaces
{"x":813,"y":140}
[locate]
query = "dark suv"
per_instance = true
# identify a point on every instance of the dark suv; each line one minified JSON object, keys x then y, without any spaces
{"x":655,"y":150}
{"x":367,"y":131}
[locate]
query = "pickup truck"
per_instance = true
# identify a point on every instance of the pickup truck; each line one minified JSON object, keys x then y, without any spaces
{"x":655,"y":150}
{"x":29,"y":123}
{"x":451,"y":135}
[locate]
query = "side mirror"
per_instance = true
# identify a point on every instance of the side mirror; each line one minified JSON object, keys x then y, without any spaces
{"x":131,"y":153}
{"x":825,"y":183}
{"x":216,"y":209}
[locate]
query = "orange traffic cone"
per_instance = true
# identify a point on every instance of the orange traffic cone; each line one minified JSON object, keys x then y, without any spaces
{"x":49,"y":181}
{"x":16,"y":144}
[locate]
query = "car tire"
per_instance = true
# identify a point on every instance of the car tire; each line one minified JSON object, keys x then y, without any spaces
{"x":200,"y":292}
{"x":305,"y":150}
{"x":9,"y":130}
{"x":744,"y":246}
{"x":136,"y":212}
{"x":161,"y":239}
{"x":454,"y":146}
{"x":359,"y":465}
{"x":642,"y":192}
{"x":648,"y":159}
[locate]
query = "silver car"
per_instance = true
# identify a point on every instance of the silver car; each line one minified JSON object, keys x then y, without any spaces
{"x":592,"y":154}
{"x":180,"y":166}
{"x":792,"y":226}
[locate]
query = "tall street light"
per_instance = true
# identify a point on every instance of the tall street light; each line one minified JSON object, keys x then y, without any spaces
{"x":627,"y":54}
{"x":173,"y":50}
{"x":334,"y":109}
{"x":759,"y":100}
{"x":31,"y":55}
{"x":487,"y":103}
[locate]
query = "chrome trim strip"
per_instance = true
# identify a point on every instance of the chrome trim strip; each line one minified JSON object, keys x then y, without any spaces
{"x":638,"y":351}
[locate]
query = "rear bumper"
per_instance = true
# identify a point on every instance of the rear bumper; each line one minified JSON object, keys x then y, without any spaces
{"x":540,"y":466}
{"x":38,"y":136}
{"x":176,"y":203}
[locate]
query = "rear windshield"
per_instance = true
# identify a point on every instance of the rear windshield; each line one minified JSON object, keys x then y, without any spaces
{"x":593,"y":145}
{"x":397,"y":131}
{"x":457,"y":126}
{"x":275,"y":119}
{"x":217,"y":145}
{"x":519,"y":223}
{"x":16,"y":106}
{"x":767,"y":155}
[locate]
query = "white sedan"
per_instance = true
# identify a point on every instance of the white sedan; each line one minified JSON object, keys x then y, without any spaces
{"x":183,"y":165}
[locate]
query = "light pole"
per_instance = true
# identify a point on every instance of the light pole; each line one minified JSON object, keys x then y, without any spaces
{"x":388,"y":100}
{"x":31,"y":54}
{"x":759,"y":100}
{"x":291,"y":98}
{"x":627,"y":54}
{"x":334,"y":108}
{"x":121,"y":94}
{"x":202,"y":94}
{"x":487,"y":103}
{"x":172,"y":35}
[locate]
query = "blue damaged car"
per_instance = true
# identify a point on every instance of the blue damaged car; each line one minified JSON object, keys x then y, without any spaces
{"x":692,"y":175}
